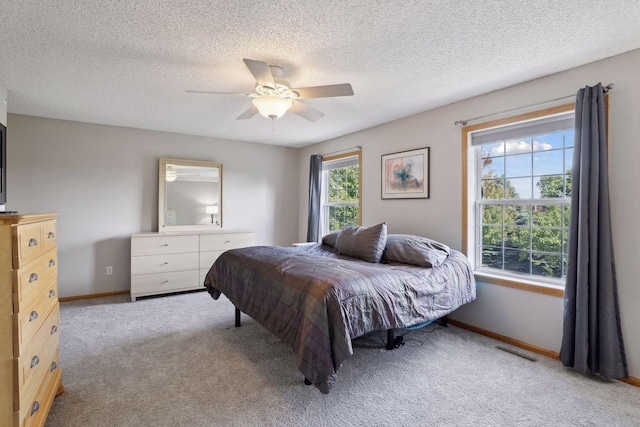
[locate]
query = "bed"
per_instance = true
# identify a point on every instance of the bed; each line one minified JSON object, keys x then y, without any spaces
{"x":318,"y":298}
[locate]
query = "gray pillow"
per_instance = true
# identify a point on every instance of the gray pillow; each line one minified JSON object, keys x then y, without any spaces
{"x":331,"y":238}
{"x":365,"y":243}
{"x":415,"y":250}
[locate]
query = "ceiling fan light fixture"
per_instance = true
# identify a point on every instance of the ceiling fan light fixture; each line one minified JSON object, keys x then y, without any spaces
{"x":272,"y":107}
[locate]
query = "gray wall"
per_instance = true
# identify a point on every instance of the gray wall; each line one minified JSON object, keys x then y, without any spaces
{"x":103,"y":180}
{"x":526,"y":316}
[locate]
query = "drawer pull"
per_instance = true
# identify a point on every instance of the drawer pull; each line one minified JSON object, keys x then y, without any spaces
{"x":52,"y":263}
{"x":33,"y":316}
{"x":33,"y":277}
{"x":52,"y":293}
{"x":54,"y":329}
{"x":166,"y":244}
{"x":35,"y":361}
{"x":227,"y":241}
{"x":54,"y":366}
{"x":165,"y":263}
{"x":51,"y":235}
{"x":164,"y":281}
{"x":35,"y":407}
{"x":33,"y":242}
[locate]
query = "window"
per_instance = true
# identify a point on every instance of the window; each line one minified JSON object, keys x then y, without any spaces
{"x":518,"y":196}
{"x":341,"y":189}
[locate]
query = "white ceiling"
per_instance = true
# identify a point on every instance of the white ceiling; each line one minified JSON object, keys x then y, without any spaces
{"x":128,"y":63}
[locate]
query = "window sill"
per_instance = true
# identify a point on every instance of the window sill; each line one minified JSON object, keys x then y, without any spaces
{"x":524,"y":285}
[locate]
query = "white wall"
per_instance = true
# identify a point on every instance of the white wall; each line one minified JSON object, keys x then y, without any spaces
{"x":104,"y":182}
{"x":529,"y":317}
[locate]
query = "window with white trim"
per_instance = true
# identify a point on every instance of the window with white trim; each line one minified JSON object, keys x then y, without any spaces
{"x":340,"y":195}
{"x":519,"y":196}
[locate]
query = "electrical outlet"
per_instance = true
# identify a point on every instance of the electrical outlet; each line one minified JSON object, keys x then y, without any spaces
{"x":109,"y":271}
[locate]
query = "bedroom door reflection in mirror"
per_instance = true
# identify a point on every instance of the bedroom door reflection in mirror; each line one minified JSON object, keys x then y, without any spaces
{"x":190,"y":195}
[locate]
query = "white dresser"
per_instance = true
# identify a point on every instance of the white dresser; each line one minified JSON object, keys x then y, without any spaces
{"x":178,"y":261}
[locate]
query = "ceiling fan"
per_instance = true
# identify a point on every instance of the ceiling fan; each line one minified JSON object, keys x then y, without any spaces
{"x":274,"y":95}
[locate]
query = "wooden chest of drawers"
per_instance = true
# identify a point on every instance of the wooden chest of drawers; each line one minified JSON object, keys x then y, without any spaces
{"x":30,"y":374}
{"x":172,"y":262}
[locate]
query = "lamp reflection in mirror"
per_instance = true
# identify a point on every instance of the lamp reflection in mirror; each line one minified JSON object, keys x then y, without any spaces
{"x":272,"y":107}
{"x":212,"y":210}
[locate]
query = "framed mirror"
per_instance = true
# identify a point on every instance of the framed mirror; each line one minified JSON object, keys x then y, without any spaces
{"x":190,"y":195}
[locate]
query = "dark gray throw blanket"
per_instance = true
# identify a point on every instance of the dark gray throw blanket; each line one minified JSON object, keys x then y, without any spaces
{"x":317,"y":301}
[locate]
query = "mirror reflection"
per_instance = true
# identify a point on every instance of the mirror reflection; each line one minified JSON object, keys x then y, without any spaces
{"x":190,"y":194}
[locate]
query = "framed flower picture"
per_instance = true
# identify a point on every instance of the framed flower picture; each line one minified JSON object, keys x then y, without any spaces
{"x":405,"y":175}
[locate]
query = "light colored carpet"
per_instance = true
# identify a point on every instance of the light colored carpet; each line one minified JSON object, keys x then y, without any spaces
{"x":178,"y":361}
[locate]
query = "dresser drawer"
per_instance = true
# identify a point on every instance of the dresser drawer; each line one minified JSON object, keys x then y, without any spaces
{"x":34,"y":410}
{"x":49,"y":235}
{"x":29,"y":321}
{"x":36,"y":360}
{"x":37,"y":280}
{"x":164,"y":282}
{"x":164,"y":263}
{"x":158,"y":245}
{"x":223,"y":242}
{"x":28,"y":245}
{"x":208,"y":258}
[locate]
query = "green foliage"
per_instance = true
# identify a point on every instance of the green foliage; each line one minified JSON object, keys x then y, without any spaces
{"x":510,"y":246}
{"x":344,"y":187}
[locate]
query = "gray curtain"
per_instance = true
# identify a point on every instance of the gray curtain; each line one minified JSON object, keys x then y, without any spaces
{"x":315,"y":177}
{"x":592,"y":338}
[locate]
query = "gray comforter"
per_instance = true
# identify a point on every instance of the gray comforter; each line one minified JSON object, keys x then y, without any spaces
{"x":317,"y":301}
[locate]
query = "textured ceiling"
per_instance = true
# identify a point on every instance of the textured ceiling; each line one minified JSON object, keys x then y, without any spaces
{"x":128,"y":63}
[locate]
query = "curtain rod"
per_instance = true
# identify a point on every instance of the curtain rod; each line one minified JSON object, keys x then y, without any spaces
{"x":359,"y":147}
{"x":607,"y":88}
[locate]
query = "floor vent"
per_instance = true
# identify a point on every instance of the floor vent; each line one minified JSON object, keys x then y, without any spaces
{"x":516,"y":353}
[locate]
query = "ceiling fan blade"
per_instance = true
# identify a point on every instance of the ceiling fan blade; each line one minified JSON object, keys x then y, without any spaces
{"x":261,"y":72}
{"x":343,"y":89}
{"x":218,"y":93}
{"x":248,"y":114}
{"x":305,"y":111}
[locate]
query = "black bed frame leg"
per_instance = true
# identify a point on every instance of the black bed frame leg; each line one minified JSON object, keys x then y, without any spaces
{"x":237,"y":317}
{"x":444,"y":321}
{"x":307,"y":381}
{"x":393,"y":342}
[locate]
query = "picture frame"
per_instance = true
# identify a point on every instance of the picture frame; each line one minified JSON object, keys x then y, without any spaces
{"x":405,"y":174}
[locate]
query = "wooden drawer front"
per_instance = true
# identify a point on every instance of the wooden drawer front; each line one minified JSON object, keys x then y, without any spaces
{"x":29,"y":321}
{"x":49,"y":235}
{"x":208,"y":258}
{"x":165,"y":282}
{"x":36,"y":280}
{"x":29,"y":244}
{"x":33,"y":411}
{"x":164,"y":263}
{"x":37,"y":358}
{"x":223,"y":242}
{"x":163,"y":245}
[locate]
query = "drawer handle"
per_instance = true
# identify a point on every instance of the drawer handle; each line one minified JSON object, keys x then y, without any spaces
{"x":52,"y":263}
{"x":33,"y":242}
{"x":164,"y":281}
{"x":35,"y":361}
{"x":52,"y":293}
{"x":165,"y":263}
{"x":227,"y":241}
{"x":35,"y":407}
{"x":33,"y":316}
{"x":54,"y":366}
{"x":166,"y":244}
{"x":54,"y":329}
{"x":33,"y":277}
{"x":51,"y":235}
